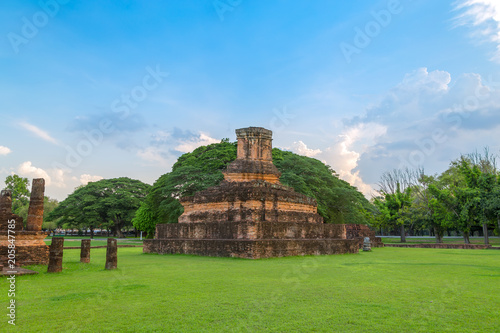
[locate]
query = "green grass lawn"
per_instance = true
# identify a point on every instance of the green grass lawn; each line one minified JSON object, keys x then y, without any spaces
{"x":494,"y":241}
{"x":386,"y":290}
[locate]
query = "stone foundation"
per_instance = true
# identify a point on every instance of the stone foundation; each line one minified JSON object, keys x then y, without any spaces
{"x":255,"y":240}
{"x":251,"y":249}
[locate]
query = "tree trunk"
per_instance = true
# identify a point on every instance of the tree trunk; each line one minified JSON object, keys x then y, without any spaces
{"x":439,"y":236}
{"x":91,"y":232}
{"x":466,"y":238}
{"x":485,"y":234}
{"x":117,"y":228}
{"x":498,"y":222}
{"x":403,"y":235}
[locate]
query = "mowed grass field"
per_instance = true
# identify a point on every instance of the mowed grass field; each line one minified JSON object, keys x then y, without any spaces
{"x":386,"y":290}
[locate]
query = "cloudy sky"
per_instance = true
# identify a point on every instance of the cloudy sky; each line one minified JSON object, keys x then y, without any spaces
{"x":92,"y":90}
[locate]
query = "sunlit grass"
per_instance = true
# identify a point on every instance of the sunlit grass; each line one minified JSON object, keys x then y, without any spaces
{"x":386,"y":290}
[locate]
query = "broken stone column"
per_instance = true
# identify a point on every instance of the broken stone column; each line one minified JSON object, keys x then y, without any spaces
{"x":367,"y":245}
{"x":85,"y":251}
{"x":56,"y":255}
{"x":6,"y":213}
{"x":111,"y":254}
{"x":35,"y":211}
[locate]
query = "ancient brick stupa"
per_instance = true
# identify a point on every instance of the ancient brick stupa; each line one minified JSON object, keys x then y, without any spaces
{"x":252,"y":215}
{"x":30,"y":247}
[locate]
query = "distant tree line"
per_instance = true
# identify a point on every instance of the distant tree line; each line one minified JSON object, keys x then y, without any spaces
{"x":462,"y":199}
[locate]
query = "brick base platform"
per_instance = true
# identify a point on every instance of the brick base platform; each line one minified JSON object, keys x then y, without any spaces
{"x":255,"y":240}
{"x":251,"y":249}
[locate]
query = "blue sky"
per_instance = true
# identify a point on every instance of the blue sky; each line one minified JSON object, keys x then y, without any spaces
{"x":92,"y":90}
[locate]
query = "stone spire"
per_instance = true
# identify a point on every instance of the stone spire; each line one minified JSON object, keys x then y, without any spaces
{"x":254,"y":159}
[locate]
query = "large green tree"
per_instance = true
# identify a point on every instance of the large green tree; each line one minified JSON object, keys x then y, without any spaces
{"x":338,"y":202}
{"x":102,"y":204}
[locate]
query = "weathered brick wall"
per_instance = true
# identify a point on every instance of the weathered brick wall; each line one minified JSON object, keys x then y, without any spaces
{"x":359,"y":232}
{"x":251,"y":249}
{"x":249,"y":201}
{"x":251,"y":230}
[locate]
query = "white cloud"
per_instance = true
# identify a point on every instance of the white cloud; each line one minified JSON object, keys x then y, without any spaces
{"x":193,"y":143}
{"x":86,"y":178}
{"x":4,"y":150}
{"x":301,"y":149}
{"x":343,"y":156}
{"x":58,"y":177}
{"x":26,"y":169}
{"x":484,"y":17}
{"x":39,"y":132}
{"x":53,"y":177}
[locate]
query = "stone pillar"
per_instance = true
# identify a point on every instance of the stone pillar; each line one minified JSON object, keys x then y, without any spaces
{"x":254,"y":160}
{"x":35,"y":211}
{"x":367,"y":245}
{"x":255,"y":143}
{"x":56,"y":255}
{"x":85,"y":251}
{"x":6,"y":212}
{"x":111,"y":254}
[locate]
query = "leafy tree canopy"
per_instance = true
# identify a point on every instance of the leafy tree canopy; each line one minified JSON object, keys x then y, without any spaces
{"x":338,"y":202}
{"x":105,"y":203}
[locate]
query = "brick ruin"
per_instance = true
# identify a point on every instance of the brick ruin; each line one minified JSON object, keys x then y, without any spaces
{"x":252,"y":215}
{"x":30,"y":247}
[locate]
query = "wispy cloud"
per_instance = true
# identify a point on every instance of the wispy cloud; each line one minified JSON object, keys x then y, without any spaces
{"x":38,"y":132}
{"x":4,"y":150}
{"x":484,"y":17}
